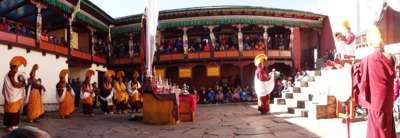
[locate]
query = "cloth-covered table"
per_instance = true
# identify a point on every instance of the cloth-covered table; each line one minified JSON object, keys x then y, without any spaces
{"x":187,"y":107}
{"x":160,"y":109}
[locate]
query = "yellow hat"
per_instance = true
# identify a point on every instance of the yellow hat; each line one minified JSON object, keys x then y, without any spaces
{"x":89,"y":73}
{"x":374,"y":37}
{"x":18,"y":61}
{"x":63,"y":73}
{"x":259,"y":58}
{"x":109,"y":73}
{"x":346,"y":24}
{"x":120,"y":74}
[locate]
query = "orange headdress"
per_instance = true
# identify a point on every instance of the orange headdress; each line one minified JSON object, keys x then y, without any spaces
{"x":259,"y":58}
{"x":63,"y":73}
{"x":109,"y":74}
{"x":89,"y":73}
{"x":18,"y":61}
{"x":120,"y":74}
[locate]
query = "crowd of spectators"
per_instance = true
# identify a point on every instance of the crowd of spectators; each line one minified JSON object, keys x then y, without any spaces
{"x":224,"y":43}
{"x":121,"y":49}
{"x":13,"y":27}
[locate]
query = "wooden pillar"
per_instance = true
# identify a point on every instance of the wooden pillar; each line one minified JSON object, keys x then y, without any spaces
{"x":240,"y":36}
{"x":295,"y":46}
{"x":130,"y":45}
{"x":265,"y":36}
{"x":211,"y":34}
{"x":69,"y":36}
{"x":185,"y":40}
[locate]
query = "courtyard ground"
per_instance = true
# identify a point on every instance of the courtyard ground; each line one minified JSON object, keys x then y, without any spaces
{"x":230,"y":120}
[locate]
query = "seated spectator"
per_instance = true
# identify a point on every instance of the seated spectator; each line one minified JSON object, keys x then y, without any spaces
{"x":12,"y":28}
{"x":203,"y":96}
{"x":3,"y":25}
{"x":44,"y":36}
{"x":243,"y":95}
{"x":211,"y":96}
{"x":207,"y":47}
{"x":220,"y":96}
{"x":236,"y":97}
{"x":179,"y":45}
{"x":260,"y":46}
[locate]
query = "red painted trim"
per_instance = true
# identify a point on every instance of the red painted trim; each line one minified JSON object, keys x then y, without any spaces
{"x":26,"y":41}
{"x":10,"y":37}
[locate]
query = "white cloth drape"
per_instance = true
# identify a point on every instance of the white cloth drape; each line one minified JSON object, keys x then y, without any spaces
{"x":151,"y":13}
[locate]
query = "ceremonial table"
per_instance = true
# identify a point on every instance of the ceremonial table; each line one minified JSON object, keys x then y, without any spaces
{"x":160,"y":109}
{"x":187,"y":107}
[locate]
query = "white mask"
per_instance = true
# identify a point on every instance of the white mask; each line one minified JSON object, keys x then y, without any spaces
{"x":66,"y":77}
{"x":92,"y":80}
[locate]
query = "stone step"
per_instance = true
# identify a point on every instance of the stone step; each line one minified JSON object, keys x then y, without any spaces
{"x":296,"y":90}
{"x":317,"y":73}
{"x":279,"y":101}
{"x":301,"y":96}
{"x":291,"y":102}
{"x":310,"y":104}
{"x":317,"y":111}
{"x":303,"y":84}
{"x":290,"y":110}
{"x":311,"y":79}
{"x":301,"y":104}
{"x":301,"y":112}
{"x":288,"y":95}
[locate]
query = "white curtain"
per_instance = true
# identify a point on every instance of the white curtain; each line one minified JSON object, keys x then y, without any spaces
{"x":151,"y":12}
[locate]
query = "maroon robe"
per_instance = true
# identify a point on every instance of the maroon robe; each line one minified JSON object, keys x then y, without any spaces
{"x":376,"y":86}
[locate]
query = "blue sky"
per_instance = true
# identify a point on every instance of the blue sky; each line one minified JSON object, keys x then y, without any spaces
{"x":337,"y":10}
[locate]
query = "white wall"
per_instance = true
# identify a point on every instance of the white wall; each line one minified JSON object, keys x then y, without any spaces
{"x":49,"y":68}
{"x":80,"y":72}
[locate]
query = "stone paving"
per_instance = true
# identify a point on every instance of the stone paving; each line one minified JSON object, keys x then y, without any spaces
{"x":231,"y":120}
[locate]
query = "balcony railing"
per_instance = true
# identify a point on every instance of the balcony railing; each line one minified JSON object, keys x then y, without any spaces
{"x":28,"y":42}
{"x":281,"y":54}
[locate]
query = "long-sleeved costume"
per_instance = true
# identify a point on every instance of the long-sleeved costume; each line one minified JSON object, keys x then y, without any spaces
{"x":263,"y":85}
{"x":376,"y":89}
{"x":65,"y":98}
{"x":13,"y":101}
{"x":87,"y":96}
{"x":106,"y":97}
{"x":35,"y":106}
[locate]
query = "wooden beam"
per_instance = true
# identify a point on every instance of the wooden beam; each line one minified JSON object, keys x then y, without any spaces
{"x":13,"y":8}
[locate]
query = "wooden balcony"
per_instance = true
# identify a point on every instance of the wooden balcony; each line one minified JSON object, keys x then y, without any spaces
{"x":8,"y":37}
{"x":281,"y":54}
{"x":50,"y":47}
{"x":27,"y":41}
{"x":125,"y":61}
{"x":99,"y":59}
{"x":81,"y":55}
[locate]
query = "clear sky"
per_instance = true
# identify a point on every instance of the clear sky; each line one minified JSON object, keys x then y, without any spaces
{"x":337,"y":10}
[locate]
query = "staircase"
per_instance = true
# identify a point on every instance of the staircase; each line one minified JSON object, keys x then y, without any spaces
{"x":307,"y":99}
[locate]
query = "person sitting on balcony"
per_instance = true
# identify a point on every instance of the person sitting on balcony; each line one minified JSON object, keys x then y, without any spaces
{"x":281,"y":42}
{"x":207,"y":46}
{"x":12,"y":28}
{"x":44,"y":36}
{"x":179,"y":45}
{"x":3,"y":25}
{"x":260,"y":46}
{"x":169,"y":48}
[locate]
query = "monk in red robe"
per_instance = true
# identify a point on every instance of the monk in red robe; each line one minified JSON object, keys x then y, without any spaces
{"x":377,"y":77}
{"x":263,"y":84}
